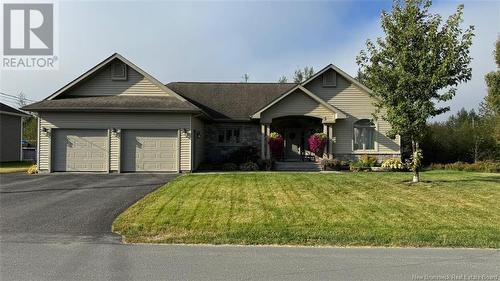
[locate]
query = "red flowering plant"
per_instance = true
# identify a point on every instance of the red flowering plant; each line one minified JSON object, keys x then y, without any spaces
{"x":275,"y":141}
{"x":317,"y":142}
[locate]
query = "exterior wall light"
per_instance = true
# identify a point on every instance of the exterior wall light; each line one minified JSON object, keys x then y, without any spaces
{"x":45,"y":131}
{"x":115,"y":131}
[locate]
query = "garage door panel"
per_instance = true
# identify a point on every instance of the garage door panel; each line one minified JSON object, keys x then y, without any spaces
{"x":149,"y":150}
{"x":80,"y":150}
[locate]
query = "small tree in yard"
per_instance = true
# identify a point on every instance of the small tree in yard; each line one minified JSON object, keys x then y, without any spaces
{"x":419,"y":62}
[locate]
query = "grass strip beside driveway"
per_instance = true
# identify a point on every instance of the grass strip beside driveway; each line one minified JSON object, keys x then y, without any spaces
{"x":449,"y":209}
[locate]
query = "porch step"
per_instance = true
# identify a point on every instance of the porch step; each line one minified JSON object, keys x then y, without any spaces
{"x":298,"y":166}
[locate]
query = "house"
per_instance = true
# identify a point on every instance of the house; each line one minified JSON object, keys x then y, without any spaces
{"x":118,"y":118}
{"x":11,"y":128}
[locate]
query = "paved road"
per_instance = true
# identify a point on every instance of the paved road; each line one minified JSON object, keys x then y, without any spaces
{"x":72,"y":207}
{"x":57,"y":227}
{"x":85,"y":261}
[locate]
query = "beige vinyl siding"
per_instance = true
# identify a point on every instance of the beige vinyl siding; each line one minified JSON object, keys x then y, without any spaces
{"x":114,"y":152}
{"x":185,"y":151}
{"x":101,"y":84}
{"x":198,"y":146}
{"x":357,"y":104}
{"x":113,"y":120}
{"x":297,"y":103}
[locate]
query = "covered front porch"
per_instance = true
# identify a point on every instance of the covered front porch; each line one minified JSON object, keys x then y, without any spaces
{"x":295,"y":131}
{"x":296,"y":116}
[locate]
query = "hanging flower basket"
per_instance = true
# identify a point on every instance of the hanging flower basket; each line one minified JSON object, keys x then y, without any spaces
{"x":275,"y":141}
{"x":317,"y":143}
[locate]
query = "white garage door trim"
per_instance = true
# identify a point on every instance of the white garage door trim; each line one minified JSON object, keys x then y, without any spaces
{"x":96,"y":160}
{"x":154,"y":150}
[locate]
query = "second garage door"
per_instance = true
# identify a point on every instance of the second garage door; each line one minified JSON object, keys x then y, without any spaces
{"x":149,"y":151}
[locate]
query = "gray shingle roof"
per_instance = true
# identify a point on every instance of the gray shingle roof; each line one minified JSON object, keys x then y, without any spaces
{"x":7,"y":109}
{"x":114,"y":103}
{"x":232,"y":101}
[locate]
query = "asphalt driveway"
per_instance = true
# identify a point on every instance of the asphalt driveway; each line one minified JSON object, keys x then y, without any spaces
{"x":70,"y":207}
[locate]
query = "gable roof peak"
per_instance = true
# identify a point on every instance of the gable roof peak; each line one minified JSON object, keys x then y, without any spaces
{"x":108,"y":60}
{"x":342,"y":73}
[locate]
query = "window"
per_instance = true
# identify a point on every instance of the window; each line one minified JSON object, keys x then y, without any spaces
{"x":229,"y":136}
{"x":118,"y":71}
{"x":364,"y":135}
{"x":330,"y":79}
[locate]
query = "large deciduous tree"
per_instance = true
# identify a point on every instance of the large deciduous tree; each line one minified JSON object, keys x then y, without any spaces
{"x":490,"y":108}
{"x":417,"y":64}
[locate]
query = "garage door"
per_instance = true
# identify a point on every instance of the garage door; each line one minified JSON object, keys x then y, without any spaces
{"x":80,"y":150}
{"x":149,"y":150}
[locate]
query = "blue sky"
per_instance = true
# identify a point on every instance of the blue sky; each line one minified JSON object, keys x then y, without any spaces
{"x":220,"y":41}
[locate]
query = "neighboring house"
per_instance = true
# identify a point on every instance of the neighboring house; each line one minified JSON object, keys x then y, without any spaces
{"x":11,"y":128}
{"x":118,"y":118}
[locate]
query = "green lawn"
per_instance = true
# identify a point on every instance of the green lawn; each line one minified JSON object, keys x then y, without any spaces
{"x":449,"y":209}
{"x":14,"y":167}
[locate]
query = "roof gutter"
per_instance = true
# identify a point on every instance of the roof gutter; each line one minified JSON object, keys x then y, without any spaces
{"x":14,"y":114}
{"x":90,"y":109}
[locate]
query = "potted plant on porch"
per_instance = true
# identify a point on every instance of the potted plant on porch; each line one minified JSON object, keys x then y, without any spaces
{"x":275,"y":141}
{"x":317,"y":143}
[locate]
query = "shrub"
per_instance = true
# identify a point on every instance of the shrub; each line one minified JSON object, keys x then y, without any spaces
{"x":265,"y":164}
{"x":229,"y":167}
{"x":317,"y":142}
{"x":345,"y":164}
{"x":243,"y":154}
{"x":358,"y":166}
{"x":480,"y":166}
{"x":249,"y":166}
{"x":368,"y":161}
{"x":334,"y":164}
{"x":33,"y":169}
{"x":394,"y":164}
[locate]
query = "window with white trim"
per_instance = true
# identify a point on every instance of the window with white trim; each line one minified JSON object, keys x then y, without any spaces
{"x":228,"y":136}
{"x":364,"y":135}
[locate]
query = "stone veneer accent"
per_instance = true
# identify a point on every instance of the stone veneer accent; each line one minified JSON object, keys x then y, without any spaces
{"x":215,"y":152}
{"x":250,"y":136}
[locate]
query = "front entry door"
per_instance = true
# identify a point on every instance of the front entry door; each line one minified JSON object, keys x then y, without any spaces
{"x":293,"y":144}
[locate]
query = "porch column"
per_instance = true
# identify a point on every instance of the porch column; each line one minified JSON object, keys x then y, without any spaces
{"x":330,"y":141}
{"x":263,"y":141}
{"x":327,"y":148}
{"x":268,"y":150}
